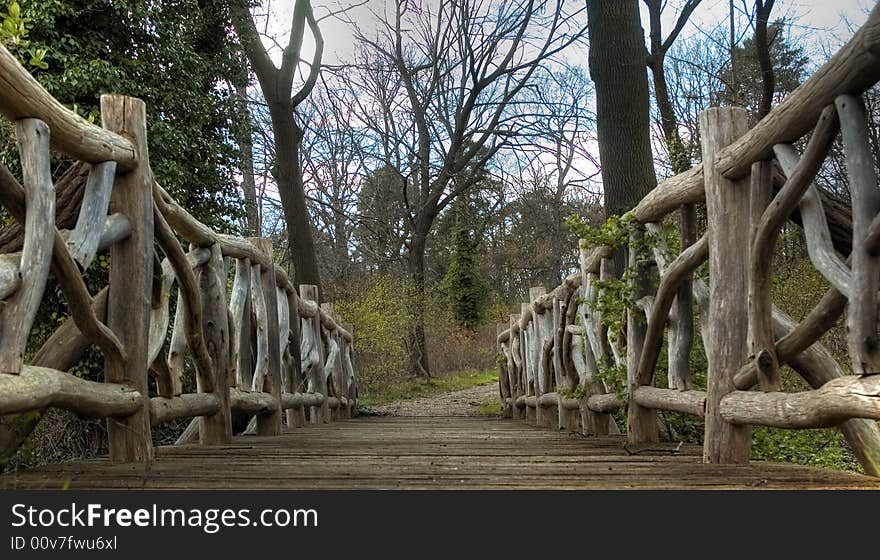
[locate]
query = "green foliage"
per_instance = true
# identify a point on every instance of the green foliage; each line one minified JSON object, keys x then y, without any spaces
{"x":614,"y":232}
{"x":180,"y":66}
{"x":816,"y":448}
{"x":490,"y":408}
{"x":13,"y":35}
{"x":467,"y":291}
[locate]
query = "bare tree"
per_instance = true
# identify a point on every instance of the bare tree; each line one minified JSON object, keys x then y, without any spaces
{"x":460,"y":65}
{"x":277,"y":86}
{"x":659,"y":46}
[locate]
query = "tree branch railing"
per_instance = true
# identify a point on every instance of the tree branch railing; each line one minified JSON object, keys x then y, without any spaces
{"x":259,"y":349}
{"x":556,"y":353}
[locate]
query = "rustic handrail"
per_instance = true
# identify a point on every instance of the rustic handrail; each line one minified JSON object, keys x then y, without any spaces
{"x":557,"y":381}
{"x":129,"y":320}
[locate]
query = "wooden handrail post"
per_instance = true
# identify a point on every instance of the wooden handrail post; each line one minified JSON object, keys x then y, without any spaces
{"x":515,"y":366}
{"x":567,"y":419}
{"x":350,"y":390}
{"x":641,"y":422}
{"x":317,"y":382}
{"x":333,"y":378}
{"x":270,"y":424}
{"x":296,"y":417}
{"x":727,"y":205}
{"x":501,"y":351}
{"x":217,"y":428}
{"x":543,"y":330}
{"x":528,"y":361}
{"x":131,"y":271}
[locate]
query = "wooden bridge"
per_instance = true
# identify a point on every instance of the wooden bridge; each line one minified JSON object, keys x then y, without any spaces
{"x":264,"y":347}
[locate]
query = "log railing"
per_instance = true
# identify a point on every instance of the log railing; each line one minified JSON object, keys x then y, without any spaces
{"x":751,"y":182}
{"x":259,"y":349}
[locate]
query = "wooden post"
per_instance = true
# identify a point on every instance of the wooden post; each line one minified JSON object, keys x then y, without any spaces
{"x":862,"y":315}
{"x":545,"y":417}
{"x":296,"y":417}
{"x":18,"y":311}
{"x":516,"y":366}
{"x":566,"y":419}
{"x":641,"y":422}
{"x":761,"y":193}
{"x":270,"y":424}
{"x":681,"y":336}
{"x":317,"y":382}
{"x":527,"y":334}
{"x":501,"y":353}
{"x":350,"y":390}
{"x":131,"y":271}
{"x":241,"y":312}
{"x":217,"y":428}
{"x":727,"y":205}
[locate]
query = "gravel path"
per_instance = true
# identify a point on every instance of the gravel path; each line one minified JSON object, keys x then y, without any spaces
{"x":466,"y":402}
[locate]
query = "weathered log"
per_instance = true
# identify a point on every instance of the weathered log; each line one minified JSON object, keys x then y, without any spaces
{"x":19,"y":311}
{"x":177,"y":346}
{"x":260,"y":320}
{"x":188,"y":405}
{"x":688,"y":402}
{"x":240,"y":326}
{"x":727,"y":204}
{"x":190,"y":298}
{"x":852,"y":396}
{"x":215,"y":428}
{"x":853,"y":69}
{"x":676,"y":275}
{"x":83,"y":241}
{"x":313,"y":349}
{"x":301,"y":400}
{"x":772,"y":220}
{"x":128,"y":307}
{"x":681,"y":335}
{"x":116,"y":228}
{"x":795,"y":340}
{"x":296,"y":417}
{"x":36,"y":388}
{"x":862,"y":317}
{"x":608,"y":403}
{"x":10,"y":275}
{"x":815,"y":225}
{"x":641,"y":423}
{"x":254,"y":402}
{"x":21,"y":96}
{"x":270,"y":424}
{"x":684,"y":188}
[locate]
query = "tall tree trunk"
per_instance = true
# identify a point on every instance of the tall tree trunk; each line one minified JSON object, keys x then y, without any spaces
{"x":617,"y":67}
{"x":762,"y":50}
{"x":287,"y":172}
{"x":245,"y":145}
{"x":417,"y":344}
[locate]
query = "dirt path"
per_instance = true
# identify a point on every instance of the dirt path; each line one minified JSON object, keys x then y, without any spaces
{"x":466,"y":402}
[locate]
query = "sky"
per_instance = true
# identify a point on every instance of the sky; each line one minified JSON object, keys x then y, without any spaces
{"x":825,"y":24}
{"x":821,"y":26}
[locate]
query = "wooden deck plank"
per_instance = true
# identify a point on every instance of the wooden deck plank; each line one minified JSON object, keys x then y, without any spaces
{"x":429,"y":453}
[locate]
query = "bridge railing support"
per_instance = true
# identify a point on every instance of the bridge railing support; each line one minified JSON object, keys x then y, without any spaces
{"x":746,"y":339}
{"x":245,"y":344}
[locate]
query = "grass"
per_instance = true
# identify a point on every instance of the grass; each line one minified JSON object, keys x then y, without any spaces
{"x":490,"y":408}
{"x":417,"y":388}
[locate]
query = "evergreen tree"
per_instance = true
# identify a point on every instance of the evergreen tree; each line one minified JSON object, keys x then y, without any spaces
{"x":467,"y":291}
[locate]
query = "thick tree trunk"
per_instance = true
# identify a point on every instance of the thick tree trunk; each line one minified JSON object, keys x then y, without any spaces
{"x":248,"y":187}
{"x":416,"y":342}
{"x":287,"y":172}
{"x":617,"y":67}
{"x":762,"y":50}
